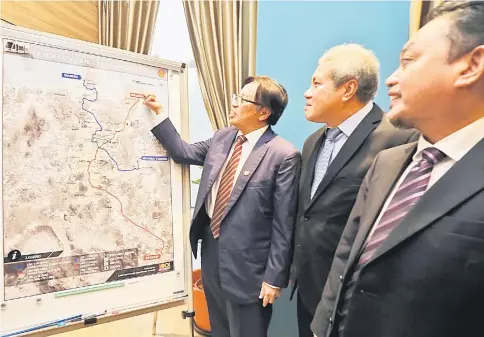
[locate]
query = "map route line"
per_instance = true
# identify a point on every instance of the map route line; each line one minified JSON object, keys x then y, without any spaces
{"x":119,"y":131}
{"x":89,"y":100}
{"x":117,"y":166}
{"x":95,"y":156}
{"x":119,"y":201}
{"x":115,"y":132}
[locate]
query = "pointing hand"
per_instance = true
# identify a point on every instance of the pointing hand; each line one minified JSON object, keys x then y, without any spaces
{"x":153,"y":104}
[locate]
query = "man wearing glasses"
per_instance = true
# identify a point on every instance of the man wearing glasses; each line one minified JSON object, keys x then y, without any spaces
{"x":245,"y":209}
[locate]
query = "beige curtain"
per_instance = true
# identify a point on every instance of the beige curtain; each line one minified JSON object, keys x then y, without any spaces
{"x":223,"y":38}
{"x":127,"y":24}
{"x":418,"y":12}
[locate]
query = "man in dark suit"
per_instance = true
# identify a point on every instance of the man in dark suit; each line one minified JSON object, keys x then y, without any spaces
{"x":334,"y":161}
{"x":411,"y":259}
{"x":245,"y":209}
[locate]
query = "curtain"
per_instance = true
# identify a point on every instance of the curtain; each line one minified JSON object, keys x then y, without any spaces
{"x":418,"y":13}
{"x":223,"y":37}
{"x":127,"y":24}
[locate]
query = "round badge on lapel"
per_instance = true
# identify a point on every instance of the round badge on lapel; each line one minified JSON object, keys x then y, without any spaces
{"x":246,"y":172}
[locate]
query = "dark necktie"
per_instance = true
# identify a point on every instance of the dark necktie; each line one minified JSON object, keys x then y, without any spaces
{"x":225,"y":187}
{"x":408,"y":193}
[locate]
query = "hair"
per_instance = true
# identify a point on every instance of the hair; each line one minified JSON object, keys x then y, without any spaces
{"x":467,"y":31}
{"x":271,"y":95}
{"x":353,"y":62}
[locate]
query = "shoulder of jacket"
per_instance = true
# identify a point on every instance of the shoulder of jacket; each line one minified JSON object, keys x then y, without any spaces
{"x":283,"y":146}
{"x":390,"y":152}
{"x":386,"y":126}
{"x":225,"y":131}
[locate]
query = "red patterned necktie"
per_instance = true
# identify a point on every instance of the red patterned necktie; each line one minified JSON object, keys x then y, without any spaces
{"x":225,"y":187}
{"x":408,"y":193}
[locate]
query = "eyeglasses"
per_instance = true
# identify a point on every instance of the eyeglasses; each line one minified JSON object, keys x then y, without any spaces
{"x":237,"y":100}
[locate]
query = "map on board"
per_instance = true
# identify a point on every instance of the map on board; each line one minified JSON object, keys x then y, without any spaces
{"x":86,"y":186}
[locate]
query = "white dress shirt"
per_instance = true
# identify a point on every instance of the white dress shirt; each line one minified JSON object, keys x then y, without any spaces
{"x":247,"y":147}
{"x":454,"y":146}
{"x":252,"y":139}
{"x":348,"y":126}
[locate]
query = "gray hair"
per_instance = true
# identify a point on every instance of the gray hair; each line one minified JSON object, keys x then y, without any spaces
{"x":352,"y":61}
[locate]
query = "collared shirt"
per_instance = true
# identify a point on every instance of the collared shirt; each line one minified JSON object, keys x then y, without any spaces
{"x":454,"y":146}
{"x":247,"y":147}
{"x":348,"y":126}
{"x":252,"y":139}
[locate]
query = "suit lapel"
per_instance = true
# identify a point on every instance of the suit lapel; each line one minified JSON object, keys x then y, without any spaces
{"x":250,"y":166}
{"x":220,"y":155}
{"x":381,"y":185}
{"x":356,"y":139}
{"x":438,"y":200}
{"x":313,"y":149}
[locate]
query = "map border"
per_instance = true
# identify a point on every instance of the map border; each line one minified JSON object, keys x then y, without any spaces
{"x":16,"y":311}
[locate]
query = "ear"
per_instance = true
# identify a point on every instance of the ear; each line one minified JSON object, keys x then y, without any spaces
{"x":470,"y":68}
{"x":264,"y":114}
{"x":350,"y":90}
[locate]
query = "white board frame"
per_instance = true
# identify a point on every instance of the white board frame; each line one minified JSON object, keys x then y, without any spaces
{"x":182,"y":254}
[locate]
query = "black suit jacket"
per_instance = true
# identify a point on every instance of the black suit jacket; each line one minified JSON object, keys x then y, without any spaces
{"x":255,"y":242}
{"x":321,"y":220}
{"x":427,"y":278}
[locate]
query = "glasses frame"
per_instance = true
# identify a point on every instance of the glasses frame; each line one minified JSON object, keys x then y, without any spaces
{"x":237,"y":100}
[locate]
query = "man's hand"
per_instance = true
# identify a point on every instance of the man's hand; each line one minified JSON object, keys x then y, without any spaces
{"x":269,"y":294}
{"x":153,"y":104}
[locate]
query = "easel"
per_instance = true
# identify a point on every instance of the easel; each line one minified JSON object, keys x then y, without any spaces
{"x":189,"y":313}
{"x":48,"y":330}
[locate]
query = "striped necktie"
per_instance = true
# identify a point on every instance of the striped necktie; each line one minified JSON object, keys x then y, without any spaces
{"x":225,"y":187}
{"x":408,"y":193}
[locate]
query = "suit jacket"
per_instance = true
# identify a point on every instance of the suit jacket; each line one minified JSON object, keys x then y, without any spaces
{"x":427,"y":277}
{"x":321,"y":220}
{"x":255,"y":241}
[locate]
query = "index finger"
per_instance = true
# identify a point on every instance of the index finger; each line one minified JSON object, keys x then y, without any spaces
{"x":266,"y":300}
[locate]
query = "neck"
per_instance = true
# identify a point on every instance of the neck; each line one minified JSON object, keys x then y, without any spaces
{"x":246,"y":129}
{"x":436,"y":130}
{"x":347,"y":110}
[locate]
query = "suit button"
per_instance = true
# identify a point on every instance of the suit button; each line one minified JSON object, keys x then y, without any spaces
{"x":298,"y":245}
{"x":341,"y":278}
{"x":331,"y":320}
{"x":306,"y":218}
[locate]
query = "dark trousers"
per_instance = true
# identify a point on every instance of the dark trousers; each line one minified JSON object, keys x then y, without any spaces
{"x":304,"y":319}
{"x":229,"y":319}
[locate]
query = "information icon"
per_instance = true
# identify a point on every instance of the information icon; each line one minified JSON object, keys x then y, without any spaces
{"x":14,"y":255}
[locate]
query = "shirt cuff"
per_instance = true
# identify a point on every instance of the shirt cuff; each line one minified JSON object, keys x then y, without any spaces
{"x":274,"y":287}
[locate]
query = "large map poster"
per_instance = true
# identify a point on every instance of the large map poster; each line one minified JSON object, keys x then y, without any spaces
{"x":86,"y":186}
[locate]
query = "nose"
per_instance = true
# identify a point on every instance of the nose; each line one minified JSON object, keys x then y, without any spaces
{"x":307,"y":94}
{"x":392,"y":80}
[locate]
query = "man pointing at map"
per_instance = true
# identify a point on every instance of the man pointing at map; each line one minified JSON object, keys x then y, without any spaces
{"x":245,"y":208}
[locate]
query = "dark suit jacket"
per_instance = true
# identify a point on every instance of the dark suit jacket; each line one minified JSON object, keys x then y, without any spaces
{"x":258,"y":226}
{"x":427,"y":278}
{"x":321,"y":220}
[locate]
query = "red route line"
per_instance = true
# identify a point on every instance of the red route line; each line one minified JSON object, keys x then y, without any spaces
{"x":104,"y":190}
